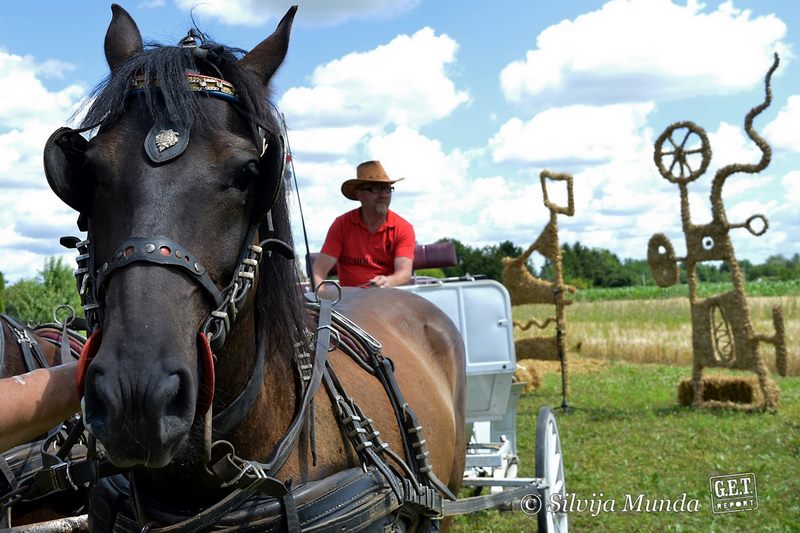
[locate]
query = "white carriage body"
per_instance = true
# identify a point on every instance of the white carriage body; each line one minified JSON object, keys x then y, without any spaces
{"x":481,"y":310}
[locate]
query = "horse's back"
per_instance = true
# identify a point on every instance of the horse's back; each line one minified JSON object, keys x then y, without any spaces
{"x":427,"y":354}
{"x":404,"y":321}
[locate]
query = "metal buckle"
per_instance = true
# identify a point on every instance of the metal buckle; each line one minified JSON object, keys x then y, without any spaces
{"x":56,"y":478}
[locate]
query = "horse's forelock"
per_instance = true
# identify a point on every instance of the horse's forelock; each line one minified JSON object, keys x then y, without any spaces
{"x":167,"y":66}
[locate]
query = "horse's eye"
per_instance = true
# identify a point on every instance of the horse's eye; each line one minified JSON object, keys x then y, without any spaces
{"x":246,"y":175}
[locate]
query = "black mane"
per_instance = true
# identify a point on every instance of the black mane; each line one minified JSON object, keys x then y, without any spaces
{"x":278,"y":310}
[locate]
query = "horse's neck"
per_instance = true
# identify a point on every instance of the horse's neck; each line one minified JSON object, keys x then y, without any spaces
{"x":262,"y":429}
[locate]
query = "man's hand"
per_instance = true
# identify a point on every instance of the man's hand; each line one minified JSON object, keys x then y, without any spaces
{"x":380,"y":281}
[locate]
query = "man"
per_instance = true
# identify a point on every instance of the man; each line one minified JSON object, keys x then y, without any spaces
{"x":371,"y":245}
{"x":36,"y":402}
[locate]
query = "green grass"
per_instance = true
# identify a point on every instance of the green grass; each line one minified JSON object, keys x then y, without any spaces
{"x":651,"y":292}
{"x":627,"y":435}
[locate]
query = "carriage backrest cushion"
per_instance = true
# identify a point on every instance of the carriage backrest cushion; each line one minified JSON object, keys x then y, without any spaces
{"x":436,"y":255}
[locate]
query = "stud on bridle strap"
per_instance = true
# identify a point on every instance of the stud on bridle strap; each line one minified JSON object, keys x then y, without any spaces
{"x":163,"y":251}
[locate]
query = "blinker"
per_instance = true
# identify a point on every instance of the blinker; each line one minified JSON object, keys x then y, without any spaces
{"x":64,"y":155}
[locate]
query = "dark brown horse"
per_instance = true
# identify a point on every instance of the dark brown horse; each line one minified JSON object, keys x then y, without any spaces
{"x":178,"y":233}
{"x":23,"y":349}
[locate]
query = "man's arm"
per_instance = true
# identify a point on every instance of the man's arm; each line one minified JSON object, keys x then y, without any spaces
{"x":322,"y":265}
{"x":401,"y":276}
{"x":33,"y":403}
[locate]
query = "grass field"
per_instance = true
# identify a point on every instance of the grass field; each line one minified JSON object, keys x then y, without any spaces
{"x":651,"y":292}
{"x":627,"y":435}
{"x":628,"y":350}
{"x":656,"y":331}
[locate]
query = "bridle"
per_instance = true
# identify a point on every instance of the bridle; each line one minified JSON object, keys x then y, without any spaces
{"x":166,"y":142}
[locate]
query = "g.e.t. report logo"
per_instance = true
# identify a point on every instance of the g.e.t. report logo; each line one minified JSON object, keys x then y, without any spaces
{"x":733,"y":493}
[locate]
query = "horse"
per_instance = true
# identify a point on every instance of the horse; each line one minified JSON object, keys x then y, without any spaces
{"x":23,"y":349}
{"x":223,"y":395}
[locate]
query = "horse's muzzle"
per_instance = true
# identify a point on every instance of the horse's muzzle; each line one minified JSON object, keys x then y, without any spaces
{"x":142,"y":416}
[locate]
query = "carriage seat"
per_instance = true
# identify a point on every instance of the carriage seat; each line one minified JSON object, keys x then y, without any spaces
{"x":435,"y":255}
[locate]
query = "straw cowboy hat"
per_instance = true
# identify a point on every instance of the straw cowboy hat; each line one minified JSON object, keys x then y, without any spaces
{"x":367,"y":172}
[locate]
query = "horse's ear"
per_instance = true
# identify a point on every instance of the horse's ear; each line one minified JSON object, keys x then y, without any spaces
{"x":123,"y":39}
{"x":265,"y":58}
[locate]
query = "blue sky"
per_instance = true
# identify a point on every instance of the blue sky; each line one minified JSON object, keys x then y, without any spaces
{"x":467,"y":100}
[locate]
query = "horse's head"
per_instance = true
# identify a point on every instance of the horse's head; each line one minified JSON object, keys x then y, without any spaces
{"x":172,"y":189}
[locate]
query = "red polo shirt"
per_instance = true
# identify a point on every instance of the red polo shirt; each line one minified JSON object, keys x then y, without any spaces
{"x":362,"y":255}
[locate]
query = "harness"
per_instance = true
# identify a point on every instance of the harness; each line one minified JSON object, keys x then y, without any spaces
{"x":32,"y":356}
{"x":386,"y":488}
{"x":21,"y":465}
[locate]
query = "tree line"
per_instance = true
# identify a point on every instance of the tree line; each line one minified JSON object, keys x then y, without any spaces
{"x":586,"y":267}
{"x":33,"y":300}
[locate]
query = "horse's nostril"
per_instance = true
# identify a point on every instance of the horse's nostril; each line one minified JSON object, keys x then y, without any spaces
{"x":177,"y":394}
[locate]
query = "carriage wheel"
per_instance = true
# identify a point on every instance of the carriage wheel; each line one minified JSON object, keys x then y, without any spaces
{"x":550,"y":468}
{"x":678,"y":156}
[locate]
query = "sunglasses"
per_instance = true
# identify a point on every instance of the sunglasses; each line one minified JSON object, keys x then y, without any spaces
{"x":376,"y":189}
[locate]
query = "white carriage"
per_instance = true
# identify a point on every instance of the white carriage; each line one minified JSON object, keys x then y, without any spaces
{"x":481,"y":310}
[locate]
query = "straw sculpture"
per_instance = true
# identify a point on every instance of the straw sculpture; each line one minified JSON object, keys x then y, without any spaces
{"x":722,"y":333}
{"x":524,"y":288}
{"x":525,"y":372}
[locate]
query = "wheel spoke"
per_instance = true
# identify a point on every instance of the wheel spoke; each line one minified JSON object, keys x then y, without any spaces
{"x":672,"y":166}
{"x":671,"y":141}
{"x":686,"y":137}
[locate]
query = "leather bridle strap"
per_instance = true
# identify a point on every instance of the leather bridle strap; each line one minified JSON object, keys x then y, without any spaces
{"x":163,"y":251}
{"x":232,"y":415}
{"x":230,"y":466}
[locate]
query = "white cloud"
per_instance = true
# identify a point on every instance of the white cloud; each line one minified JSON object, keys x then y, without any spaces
{"x":328,"y":141}
{"x":791,"y":186}
{"x":315,"y":12}
{"x":403,"y":82}
{"x":641,"y":50}
{"x":784,"y":131}
{"x":32,"y":218}
{"x":23,"y":96}
{"x":580,"y":133}
{"x":730,"y":145}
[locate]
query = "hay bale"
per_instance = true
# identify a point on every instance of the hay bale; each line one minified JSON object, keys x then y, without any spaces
{"x":732,"y":391}
{"x":541,"y":348}
{"x":526,"y":372}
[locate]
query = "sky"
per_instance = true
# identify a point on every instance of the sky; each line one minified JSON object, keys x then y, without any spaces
{"x":467,"y":100}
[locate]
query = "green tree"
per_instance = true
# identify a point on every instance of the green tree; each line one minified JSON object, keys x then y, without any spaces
{"x":485,"y":261}
{"x":33,"y":300}
{"x":592,"y":267}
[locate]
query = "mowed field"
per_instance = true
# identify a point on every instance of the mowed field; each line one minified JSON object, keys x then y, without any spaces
{"x":656,"y":331}
{"x":627,"y":436}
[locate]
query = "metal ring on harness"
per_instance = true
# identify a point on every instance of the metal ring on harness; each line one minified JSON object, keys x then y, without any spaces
{"x":335,"y":333}
{"x":68,"y":319}
{"x":328,"y":282}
